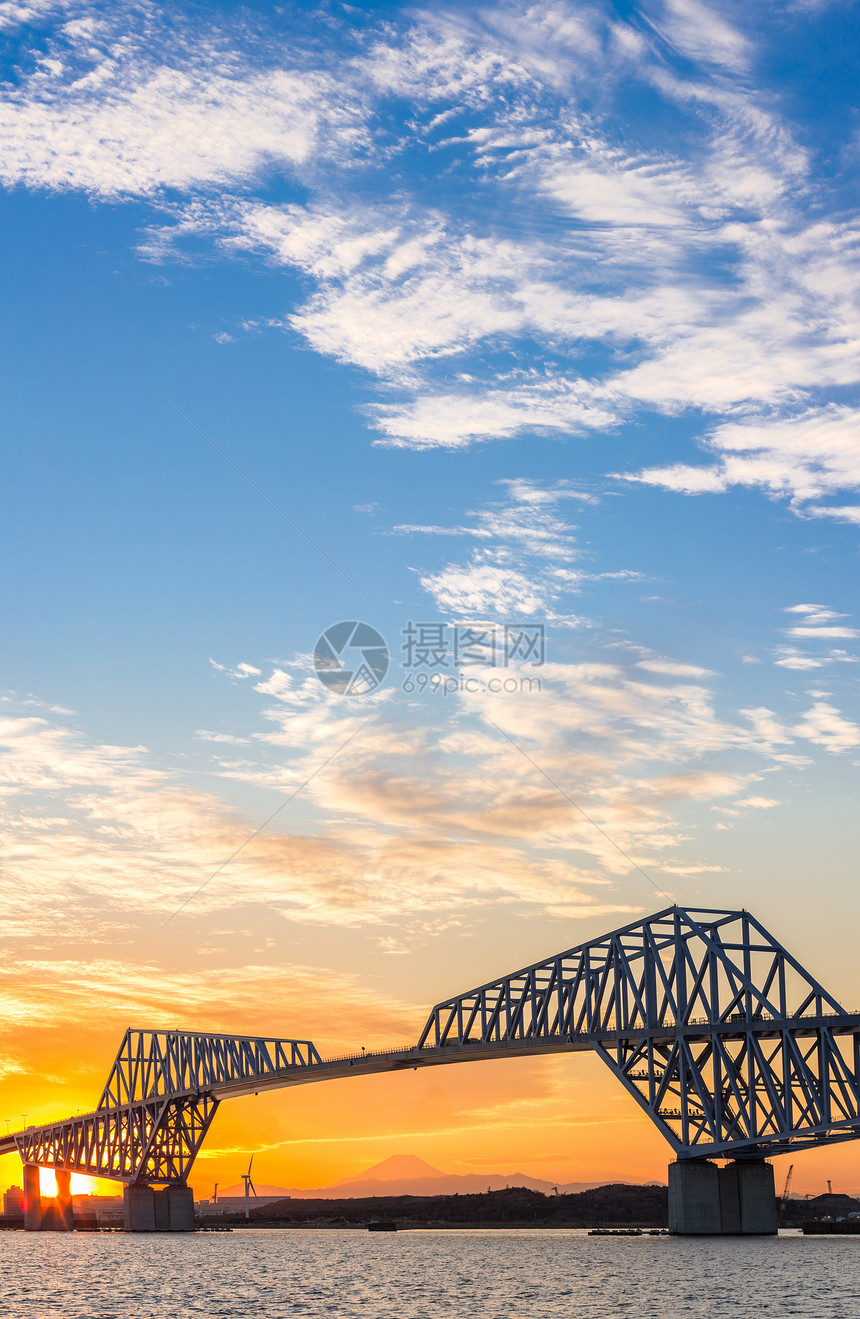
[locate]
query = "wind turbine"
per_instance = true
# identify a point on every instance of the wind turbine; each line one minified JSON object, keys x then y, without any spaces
{"x":246,"y":1178}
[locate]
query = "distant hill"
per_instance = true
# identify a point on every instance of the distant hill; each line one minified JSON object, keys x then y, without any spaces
{"x":820,"y":1206}
{"x":406,"y":1174}
{"x":620,"y":1205}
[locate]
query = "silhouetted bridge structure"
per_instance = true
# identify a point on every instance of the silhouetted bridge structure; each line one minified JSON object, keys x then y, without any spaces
{"x":728,"y":1044}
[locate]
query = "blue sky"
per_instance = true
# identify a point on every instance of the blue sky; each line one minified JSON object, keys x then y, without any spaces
{"x":431,"y":277}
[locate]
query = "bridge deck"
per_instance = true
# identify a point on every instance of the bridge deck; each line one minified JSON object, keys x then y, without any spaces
{"x":411,"y":1057}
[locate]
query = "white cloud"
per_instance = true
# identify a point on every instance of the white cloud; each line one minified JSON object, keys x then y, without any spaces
{"x":479,"y":589}
{"x":96,"y":839}
{"x":124,"y":109}
{"x":684,"y":479}
{"x":673,"y":669}
{"x":405,"y":822}
{"x":523,"y":565}
{"x":826,"y":726}
{"x":15,"y":13}
{"x":829,"y":632}
{"x":704,"y":35}
{"x":791,"y":659}
{"x":206,"y":736}
{"x":239,"y":672}
{"x":693,"y":270}
{"x":457,"y":419}
{"x":819,"y":623}
{"x":520,"y":569}
{"x":814,"y":613}
{"x":810,"y":456}
{"x":633,"y":752}
{"x":838,"y":512}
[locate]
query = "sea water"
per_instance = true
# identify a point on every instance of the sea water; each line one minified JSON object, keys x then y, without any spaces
{"x":488,"y":1274}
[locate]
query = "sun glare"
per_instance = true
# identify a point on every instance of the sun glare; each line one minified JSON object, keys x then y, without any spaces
{"x":81,"y":1185}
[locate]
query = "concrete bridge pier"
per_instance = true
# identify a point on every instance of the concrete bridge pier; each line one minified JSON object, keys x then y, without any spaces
{"x":32,"y":1198}
{"x":736,"y":1200}
{"x":146,"y":1209}
{"x":65,"y":1218}
{"x":55,"y":1216}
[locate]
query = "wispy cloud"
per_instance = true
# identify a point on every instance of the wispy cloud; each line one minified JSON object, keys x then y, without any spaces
{"x":412,"y":824}
{"x":123,"y":105}
{"x":576,"y":275}
{"x":819,"y":623}
{"x":701,"y":33}
{"x":105,"y":995}
{"x":529,"y":524}
{"x":827,"y":726}
{"x":811,"y":456}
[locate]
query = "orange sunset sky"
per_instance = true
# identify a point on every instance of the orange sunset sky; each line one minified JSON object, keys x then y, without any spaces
{"x":561,"y":1119}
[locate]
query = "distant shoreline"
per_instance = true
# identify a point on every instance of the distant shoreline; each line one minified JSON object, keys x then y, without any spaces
{"x":615,"y":1205}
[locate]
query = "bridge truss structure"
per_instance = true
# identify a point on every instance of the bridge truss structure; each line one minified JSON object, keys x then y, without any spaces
{"x":728,"y":1044}
{"x":158,"y":1104}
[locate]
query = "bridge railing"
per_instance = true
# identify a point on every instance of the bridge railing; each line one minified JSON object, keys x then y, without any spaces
{"x":385,"y":1052}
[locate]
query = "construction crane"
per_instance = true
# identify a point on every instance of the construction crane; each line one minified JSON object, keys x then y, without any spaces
{"x":785,"y":1191}
{"x":829,"y":1188}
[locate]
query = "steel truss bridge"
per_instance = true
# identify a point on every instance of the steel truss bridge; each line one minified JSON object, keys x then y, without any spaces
{"x":719,"y":1034}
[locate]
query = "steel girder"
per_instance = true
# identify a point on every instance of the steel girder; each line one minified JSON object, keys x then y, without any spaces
{"x":151,"y":1063}
{"x":724,"y":1039}
{"x":151,"y":1142}
{"x":158,"y":1104}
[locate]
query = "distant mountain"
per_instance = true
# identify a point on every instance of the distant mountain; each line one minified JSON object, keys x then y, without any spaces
{"x":397,"y":1168}
{"x":406,"y":1174}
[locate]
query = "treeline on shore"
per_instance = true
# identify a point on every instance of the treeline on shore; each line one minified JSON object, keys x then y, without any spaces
{"x":616,"y":1205}
{"x":796,"y":1212}
{"x":604,"y":1206}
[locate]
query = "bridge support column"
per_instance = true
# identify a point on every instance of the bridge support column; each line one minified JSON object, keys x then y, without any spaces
{"x":32,"y":1198}
{"x":138,"y":1209}
{"x":65,"y":1214}
{"x":147,"y":1210}
{"x":180,"y":1200}
{"x":737,"y":1200}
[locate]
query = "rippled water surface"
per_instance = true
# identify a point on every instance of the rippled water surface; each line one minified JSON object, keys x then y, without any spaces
{"x":424,"y":1275}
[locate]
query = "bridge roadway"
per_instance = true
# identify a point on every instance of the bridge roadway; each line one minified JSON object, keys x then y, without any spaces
{"x":728,"y":1044}
{"x":412,"y":1057}
{"x":366,"y":1063}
